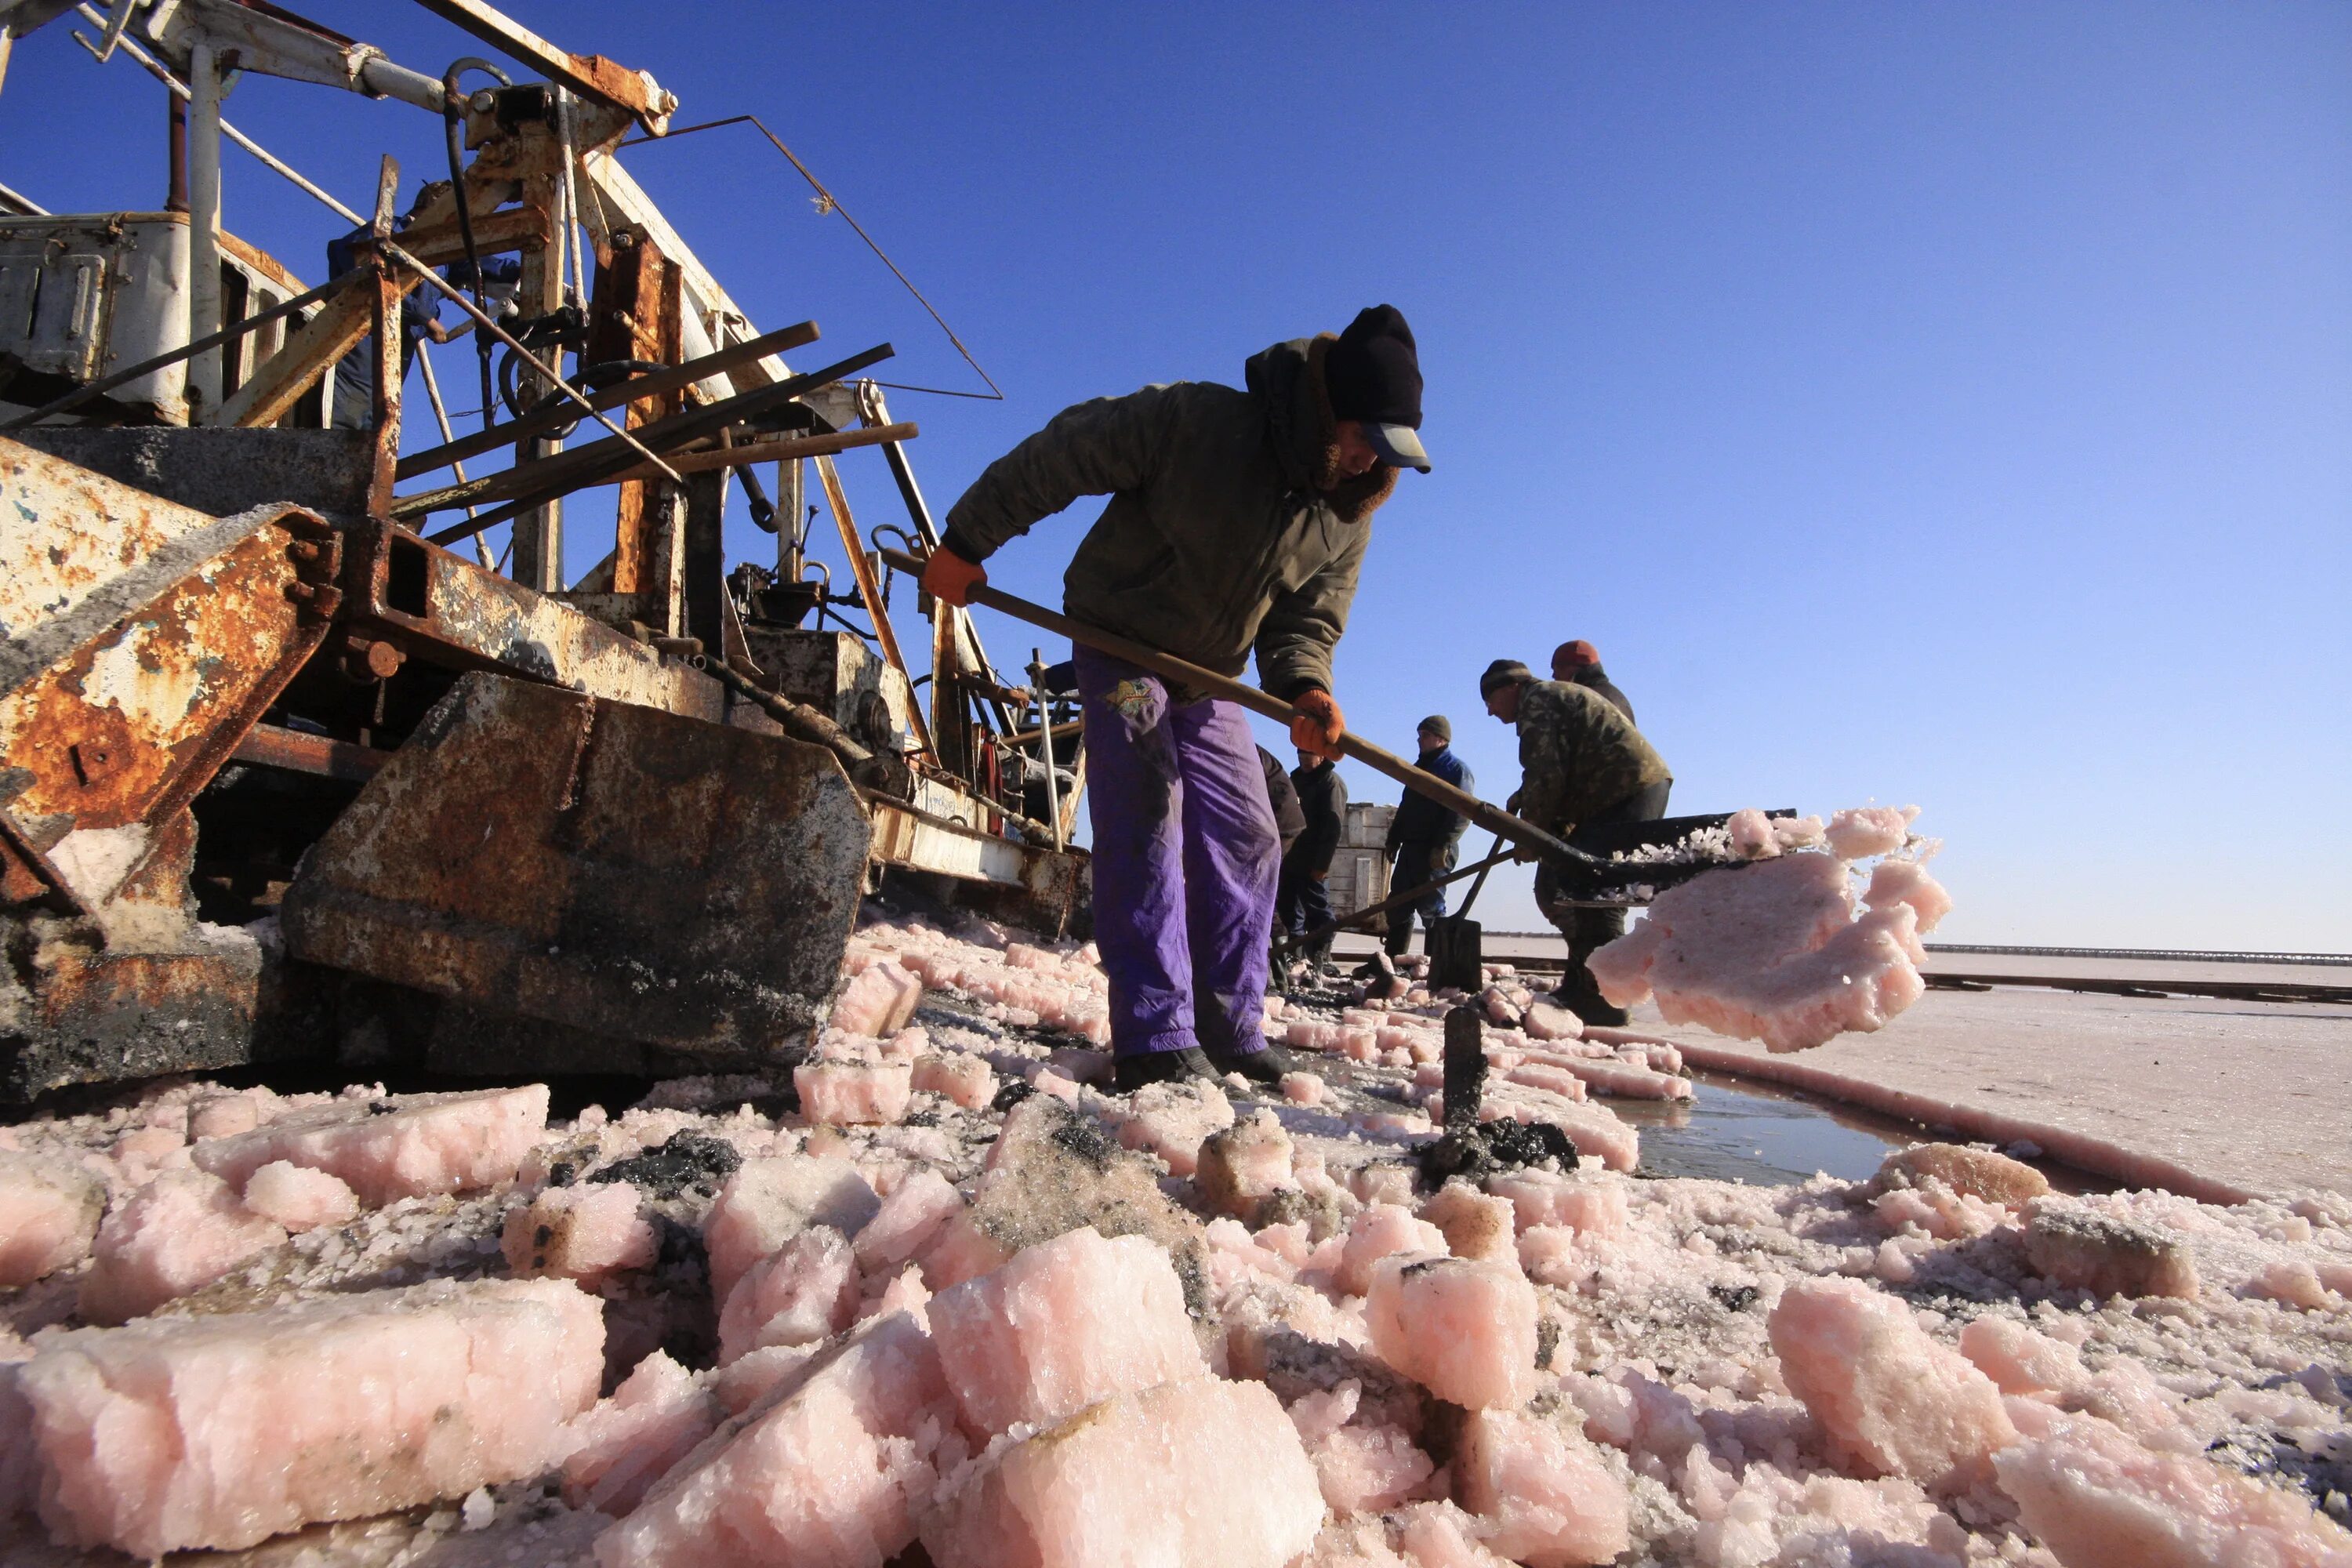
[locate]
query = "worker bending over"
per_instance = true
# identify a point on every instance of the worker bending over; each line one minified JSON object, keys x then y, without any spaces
{"x":1237,"y":522}
{"x":1303,"y":895}
{"x":1423,"y":835}
{"x":1584,"y":763}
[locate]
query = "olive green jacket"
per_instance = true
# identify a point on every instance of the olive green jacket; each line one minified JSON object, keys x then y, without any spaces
{"x":1580,"y":755}
{"x":1227,"y":529}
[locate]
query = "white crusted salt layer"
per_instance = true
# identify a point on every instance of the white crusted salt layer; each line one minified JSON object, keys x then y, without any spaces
{"x":389,"y":1149}
{"x":222,"y":1430}
{"x":1775,"y":950}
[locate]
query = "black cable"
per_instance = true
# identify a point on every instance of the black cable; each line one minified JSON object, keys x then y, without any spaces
{"x":453,"y":124}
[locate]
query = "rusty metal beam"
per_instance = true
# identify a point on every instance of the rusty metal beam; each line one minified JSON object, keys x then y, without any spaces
{"x":591,"y":76}
{"x":870,"y":591}
{"x":294,"y":751}
{"x":309,"y":353}
{"x":495,"y":233}
{"x":779,"y":448}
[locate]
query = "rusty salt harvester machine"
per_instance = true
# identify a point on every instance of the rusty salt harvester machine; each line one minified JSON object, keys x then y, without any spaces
{"x":307,"y":750}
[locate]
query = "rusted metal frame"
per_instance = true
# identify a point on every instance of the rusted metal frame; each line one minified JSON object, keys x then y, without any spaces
{"x":947,"y":699}
{"x":872,"y":412}
{"x":441,"y":421}
{"x":281,"y":381}
{"x":702,"y":566}
{"x":635,"y":316}
{"x":495,"y":234}
{"x":294,"y":751}
{"x":591,"y":76}
{"x":89,"y":390}
{"x":604,"y":459}
{"x":783,"y":447}
{"x":537,"y":541}
{"x":26,"y":877}
{"x":870,"y":591}
{"x":648,"y":386}
{"x":1062,"y":731}
{"x":390,"y":374}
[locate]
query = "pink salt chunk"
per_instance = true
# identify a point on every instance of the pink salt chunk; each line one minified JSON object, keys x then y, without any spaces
{"x":179,"y":1233}
{"x":49,"y":1211}
{"x":1751,"y":834}
{"x":1544,"y":1198}
{"x":854,"y":1093}
{"x":423,"y":1144}
{"x":1546,"y":1499}
{"x":1381,"y":1230}
{"x":624,"y":1444}
{"x":1462,"y":1328}
{"x":585,"y":1233}
{"x":299,"y":1199}
{"x":877,"y":1000}
{"x":1238,"y":1169}
{"x":806,"y":1291}
{"x":1439,"y":1535}
{"x":767,"y":1202}
{"x":1546,"y":1021}
{"x":2079,"y":1247}
{"x":1769,"y":951}
{"x":907,"y":1223}
{"x":827,"y":1470}
{"x":218,"y":1430}
{"x":1474,"y":1225}
{"x":1860,"y":832}
{"x":964,"y":1079}
{"x":2018,"y":1359}
{"x":1302,"y":1088}
{"x":1363,"y":1468}
{"x":1201,"y":1471}
{"x":1067,"y":1322}
{"x":1171,"y":1120}
{"x":1893,"y":1401}
{"x":2098,"y":1499}
{"x":1908,"y":883}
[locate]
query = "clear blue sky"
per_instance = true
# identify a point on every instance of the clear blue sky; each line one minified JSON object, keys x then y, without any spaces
{"x":1934,"y":404}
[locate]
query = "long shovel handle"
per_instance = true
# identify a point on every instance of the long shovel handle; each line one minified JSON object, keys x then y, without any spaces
{"x":1398,"y":900}
{"x":1484,"y":867}
{"x":1494,"y":819}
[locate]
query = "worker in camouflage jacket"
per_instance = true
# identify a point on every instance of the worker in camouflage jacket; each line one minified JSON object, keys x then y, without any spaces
{"x":1582,"y":764}
{"x":1237,"y":524}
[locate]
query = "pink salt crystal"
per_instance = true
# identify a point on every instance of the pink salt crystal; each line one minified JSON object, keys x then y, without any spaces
{"x":877,"y":1000}
{"x":420,"y":1145}
{"x":585,"y":1233}
{"x":825,"y":1471}
{"x":1751,"y":834}
{"x":1545,"y":1496}
{"x":1908,"y":883}
{"x":1171,"y":1120}
{"x":622,"y":1446}
{"x":850,"y":1093}
{"x":2291,"y":1282}
{"x":1618,"y":1078}
{"x":2078,"y":1247}
{"x":1770,"y":952}
{"x":1363,"y":1469}
{"x":908,"y":1044}
{"x":2017,"y":1359}
{"x":49,"y":1211}
{"x":805,"y":1291}
{"x":1860,"y":832}
{"x":1552,"y":1255}
{"x":1198,"y":1472}
{"x":179,"y":1233}
{"x":1474,"y":1226}
{"x":907,"y":1223}
{"x":1308,"y":1034}
{"x":220,"y":1429}
{"x":1977,"y":1172}
{"x":1048,"y":1081}
{"x":1893,"y":1401}
{"x":1302,"y":1088}
{"x":905,"y":1292}
{"x":140,"y":1154}
{"x":225,"y":1115}
{"x":1551,"y":1079}
{"x":1067,"y":1322}
{"x":964,"y":1079}
{"x":767,"y":1202}
{"x":1381,"y":1230}
{"x":2098,"y":1499}
{"x":1546,"y":1021}
{"x":1239,"y":1168}
{"x":1439,"y":1535}
{"x":745,"y":1381}
{"x":1466,"y":1331}
{"x":300,"y":1198}
{"x":1541,"y":1197}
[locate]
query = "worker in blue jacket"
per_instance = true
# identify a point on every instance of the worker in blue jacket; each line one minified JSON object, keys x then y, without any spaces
{"x":1423,"y":835}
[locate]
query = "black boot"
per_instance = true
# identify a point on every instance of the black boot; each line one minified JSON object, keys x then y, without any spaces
{"x":1265,"y":1066}
{"x":1129,"y":1073}
{"x":1581,"y":994}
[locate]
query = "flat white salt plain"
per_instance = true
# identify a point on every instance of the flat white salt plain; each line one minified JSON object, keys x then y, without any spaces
{"x":1657,"y":1369}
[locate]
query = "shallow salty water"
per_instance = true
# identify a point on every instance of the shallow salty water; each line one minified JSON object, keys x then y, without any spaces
{"x":1734,"y":1130}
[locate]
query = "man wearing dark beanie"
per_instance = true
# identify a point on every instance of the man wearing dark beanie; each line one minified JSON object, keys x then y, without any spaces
{"x":1237,"y":524}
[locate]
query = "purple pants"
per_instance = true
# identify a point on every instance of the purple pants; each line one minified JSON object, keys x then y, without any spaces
{"x":1185,"y":856}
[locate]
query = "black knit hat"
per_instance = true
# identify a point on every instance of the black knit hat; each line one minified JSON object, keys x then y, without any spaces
{"x":1503,"y":672}
{"x":1373,"y":374}
{"x":1437,"y":725}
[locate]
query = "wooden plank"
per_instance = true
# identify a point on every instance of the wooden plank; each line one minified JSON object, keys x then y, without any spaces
{"x":311,"y":352}
{"x":870,"y":591}
{"x":591,"y":76}
{"x":769,"y":451}
{"x":495,"y":234}
{"x":645,"y":386}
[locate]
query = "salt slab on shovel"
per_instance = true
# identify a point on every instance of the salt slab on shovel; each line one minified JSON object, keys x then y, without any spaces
{"x":1199,"y":1472}
{"x":1067,"y":1322}
{"x":222,"y":1430}
{"x":414,"y":1146}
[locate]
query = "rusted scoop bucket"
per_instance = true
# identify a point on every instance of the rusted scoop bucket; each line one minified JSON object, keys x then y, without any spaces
{"x":535,"y":853}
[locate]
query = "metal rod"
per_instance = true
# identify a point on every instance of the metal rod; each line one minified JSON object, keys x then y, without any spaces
{"x":203,"y":226}
{"x":441,"y":418}
{"x":1045,"y":742}
{"x":1494,"y":819}
{"x":1471,"y":897}
{"x":767,"y":452}
{"x":89,"y":390}
{"x":871,"y":591}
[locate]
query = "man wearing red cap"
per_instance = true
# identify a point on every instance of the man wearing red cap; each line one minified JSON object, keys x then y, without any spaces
{"x":1577,"y":663}
{"x":1237,"y":523}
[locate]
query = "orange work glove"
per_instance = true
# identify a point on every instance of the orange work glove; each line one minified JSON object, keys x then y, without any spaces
{"x":1315,"y":724}
{"x":950,"y":578}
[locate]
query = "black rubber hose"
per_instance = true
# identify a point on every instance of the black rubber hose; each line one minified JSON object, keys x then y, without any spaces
{"x":453,"y":124}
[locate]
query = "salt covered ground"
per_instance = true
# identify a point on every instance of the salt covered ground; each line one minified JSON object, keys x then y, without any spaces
{"x":962,"y":1307}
